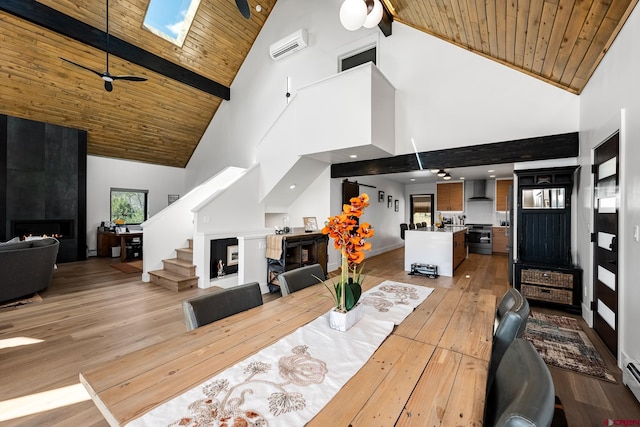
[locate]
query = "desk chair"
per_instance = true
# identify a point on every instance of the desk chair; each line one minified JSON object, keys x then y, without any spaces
{"x":205,"y":309}
{"x":300,"y":278}
{"x":522,"y":394}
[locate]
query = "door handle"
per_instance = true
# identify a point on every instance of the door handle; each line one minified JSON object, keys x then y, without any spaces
{"x":614,"y":244}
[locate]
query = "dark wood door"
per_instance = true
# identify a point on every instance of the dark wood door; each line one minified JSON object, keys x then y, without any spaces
{"x":605,"y":275}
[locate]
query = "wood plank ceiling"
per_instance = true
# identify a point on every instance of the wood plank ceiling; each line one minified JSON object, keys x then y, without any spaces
{"x":162,"y":120}
{"x":559,"y":41}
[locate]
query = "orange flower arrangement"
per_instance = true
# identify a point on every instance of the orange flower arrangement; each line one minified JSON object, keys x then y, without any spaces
{"x":349,"y":238}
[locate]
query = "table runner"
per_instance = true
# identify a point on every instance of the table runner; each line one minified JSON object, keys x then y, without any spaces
{"x":289,"y":382}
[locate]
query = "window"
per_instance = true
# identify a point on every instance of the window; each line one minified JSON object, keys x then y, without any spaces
{"x":129,"y":205}
{"x":359,"y":58}
{"x":170,"y":19}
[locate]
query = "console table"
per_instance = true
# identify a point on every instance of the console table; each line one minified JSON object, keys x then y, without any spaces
{"x":109,"y":239}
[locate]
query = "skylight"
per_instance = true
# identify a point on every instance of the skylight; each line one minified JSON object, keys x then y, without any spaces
{"x":170,"y":19}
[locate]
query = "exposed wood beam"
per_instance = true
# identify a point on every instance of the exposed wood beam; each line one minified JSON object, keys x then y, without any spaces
{"x":51,"y":19}
{"x":521,"y":150}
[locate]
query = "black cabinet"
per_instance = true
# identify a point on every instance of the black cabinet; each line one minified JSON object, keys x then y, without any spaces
{"x":298,"y":250}
{"x":544,"y":270}
{"x":560,"y":286}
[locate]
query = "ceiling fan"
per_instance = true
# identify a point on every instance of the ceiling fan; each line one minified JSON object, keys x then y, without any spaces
{"x":243,"y":7}
{"x":106,"y":76}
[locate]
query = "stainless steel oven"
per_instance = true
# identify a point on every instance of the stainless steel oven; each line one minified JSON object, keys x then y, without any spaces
{"x":479,"y":238}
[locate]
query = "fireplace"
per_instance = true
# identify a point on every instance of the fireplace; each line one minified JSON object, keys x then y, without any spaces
{"x":59,"y":228}
{"x":43,"y":169}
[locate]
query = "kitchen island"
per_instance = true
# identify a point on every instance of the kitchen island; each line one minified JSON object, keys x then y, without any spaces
{"x":443,"y":247}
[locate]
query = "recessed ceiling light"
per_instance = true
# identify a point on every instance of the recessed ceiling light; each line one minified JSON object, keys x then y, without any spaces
{"x":258,"y":8}
{"x":412,"y":179}
{"x":491,"y":170}
{"x":292,"y":186}
{"x":492,"y":176}
{"x":462,"y":177}
{"x":354,"y":156}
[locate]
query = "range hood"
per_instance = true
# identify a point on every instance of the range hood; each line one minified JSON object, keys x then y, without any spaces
{"x":479,"y":191}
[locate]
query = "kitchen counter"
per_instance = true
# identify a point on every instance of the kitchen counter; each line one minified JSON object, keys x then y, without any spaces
{"x":443,"y":247}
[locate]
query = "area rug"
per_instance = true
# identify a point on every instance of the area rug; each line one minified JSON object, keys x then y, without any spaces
{"x":129,"y":267}
{"x":22,"y":301}
{"x":562,"y":343}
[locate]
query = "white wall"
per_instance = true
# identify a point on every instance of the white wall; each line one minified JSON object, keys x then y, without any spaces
{"x":615,"y":86}
{"x":105,"y":173}
{"x":446,"y":96}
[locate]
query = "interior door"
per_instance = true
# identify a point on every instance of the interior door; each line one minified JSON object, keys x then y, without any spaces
{"x":605,"y":275}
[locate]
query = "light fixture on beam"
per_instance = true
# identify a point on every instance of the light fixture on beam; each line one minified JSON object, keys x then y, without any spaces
{"x":441,"y":173}
{"x":446,"y":176}
{"x":355,"y":14}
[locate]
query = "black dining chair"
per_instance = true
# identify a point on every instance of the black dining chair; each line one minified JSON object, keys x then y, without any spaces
{"x":522,"y":394}
{"x":205,"y":309}
{"x":510,"y":327}
{"x":300,"y":278}
{"x":412,"y":226}
{"x":513,"y":300}
{"x":403,"y":227}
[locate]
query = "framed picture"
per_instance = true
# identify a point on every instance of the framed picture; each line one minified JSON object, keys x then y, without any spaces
{"x":173,"y":198}
{"x":380,"y":196}
{"x":232,"y":255}
{"x":397,"y":207}
{"x":310,"y":224}
{"x":389,"y":201}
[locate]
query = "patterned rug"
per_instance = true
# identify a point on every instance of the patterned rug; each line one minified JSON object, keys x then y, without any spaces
{"x":563,"y":344}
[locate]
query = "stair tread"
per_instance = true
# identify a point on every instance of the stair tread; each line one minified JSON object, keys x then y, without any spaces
{"x":185,"y":250}
{"x":178,"y":261}
{"x":171,"y":275}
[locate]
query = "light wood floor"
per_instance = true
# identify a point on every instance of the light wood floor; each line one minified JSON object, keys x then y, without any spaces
{"x":93,"y":312}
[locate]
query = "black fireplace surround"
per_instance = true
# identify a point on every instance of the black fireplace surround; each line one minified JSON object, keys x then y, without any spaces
{"x":43,"y":170}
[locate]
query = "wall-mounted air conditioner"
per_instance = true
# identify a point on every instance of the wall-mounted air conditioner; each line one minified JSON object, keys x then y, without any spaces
{"x":288,"y":45}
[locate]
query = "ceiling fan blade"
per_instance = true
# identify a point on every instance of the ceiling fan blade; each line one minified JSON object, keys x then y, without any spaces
{"x":82,"y":66}
{"x":130,"y":78}
{"x":243,"y":7}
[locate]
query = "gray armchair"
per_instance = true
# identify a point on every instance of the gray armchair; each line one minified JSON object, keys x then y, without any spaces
{"x":300,"y":278}
{"x":205,"y":309}
{"x":522,"y":394}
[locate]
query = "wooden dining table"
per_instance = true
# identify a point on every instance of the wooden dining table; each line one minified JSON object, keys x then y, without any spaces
{"x":431,"y":370}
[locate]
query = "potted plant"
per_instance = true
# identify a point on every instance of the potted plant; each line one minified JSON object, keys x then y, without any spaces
{"x":350,"y":239}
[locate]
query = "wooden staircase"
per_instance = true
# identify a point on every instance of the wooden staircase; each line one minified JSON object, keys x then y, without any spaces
{"x":177,"y":273}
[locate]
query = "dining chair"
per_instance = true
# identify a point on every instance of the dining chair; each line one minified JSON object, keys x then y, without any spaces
{"x":403,"y":227}
{"x":513,"y":300}
{"x":300,"y":278}
{"x":412,"y":226}
{"x":522,"y":393}
{"x":205,"y":309}
{"x":508,"y":330}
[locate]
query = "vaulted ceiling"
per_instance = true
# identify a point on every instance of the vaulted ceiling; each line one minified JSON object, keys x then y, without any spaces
{"x":162,"y":120}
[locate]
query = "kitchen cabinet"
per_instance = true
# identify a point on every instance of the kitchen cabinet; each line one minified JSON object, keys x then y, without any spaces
{"x":450,"y":197}
{"x":500,"y":240}
{"x":459,"y":248}
{"x":502,"y":192}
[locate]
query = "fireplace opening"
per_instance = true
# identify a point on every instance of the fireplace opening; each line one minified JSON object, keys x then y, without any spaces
{"x":58,"y":228}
